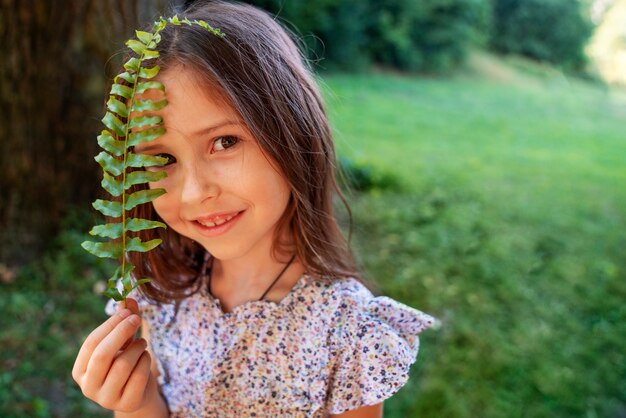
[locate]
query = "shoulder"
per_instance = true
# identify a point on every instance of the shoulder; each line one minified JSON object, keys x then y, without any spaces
{"x":358,"y":312}
{"x":375,"y":341}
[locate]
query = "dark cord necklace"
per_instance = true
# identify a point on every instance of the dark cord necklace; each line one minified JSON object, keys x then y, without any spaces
{"x":208,"y":272}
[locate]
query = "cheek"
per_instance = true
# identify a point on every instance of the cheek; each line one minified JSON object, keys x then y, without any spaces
{"x":272,"y":190}
{"x":165,"y":207}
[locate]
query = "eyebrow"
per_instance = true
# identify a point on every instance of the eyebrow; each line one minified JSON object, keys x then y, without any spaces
{"x":199,"y":133}
{"x":206,"y":131}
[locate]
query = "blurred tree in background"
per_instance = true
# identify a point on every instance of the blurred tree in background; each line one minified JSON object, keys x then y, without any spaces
{"x":435,"y":35}
{"x":553,"y":31}
{"x":428,"y":36}
{"x":56,"y":58}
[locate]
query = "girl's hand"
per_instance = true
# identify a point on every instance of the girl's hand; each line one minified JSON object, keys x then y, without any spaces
{"x":112,"y":368}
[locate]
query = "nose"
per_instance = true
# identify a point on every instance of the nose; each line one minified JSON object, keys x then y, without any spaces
{"x":196,"y":185}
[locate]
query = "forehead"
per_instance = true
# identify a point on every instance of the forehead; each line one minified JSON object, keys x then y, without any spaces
{"x":191,"y":103}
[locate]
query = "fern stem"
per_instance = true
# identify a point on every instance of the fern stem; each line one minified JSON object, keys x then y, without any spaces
{"x":126,"y":134}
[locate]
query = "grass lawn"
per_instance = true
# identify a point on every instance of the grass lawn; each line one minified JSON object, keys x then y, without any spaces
{"x":509,"y":229}
{"x":507,"y":225}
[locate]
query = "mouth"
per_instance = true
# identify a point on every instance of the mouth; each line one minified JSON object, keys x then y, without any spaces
{"x":217,"y":221}
{"x":218,"y":224}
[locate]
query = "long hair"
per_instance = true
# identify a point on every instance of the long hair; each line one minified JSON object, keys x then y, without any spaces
{"x":262,"y":74}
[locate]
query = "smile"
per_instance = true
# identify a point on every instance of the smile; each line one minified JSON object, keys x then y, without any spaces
{"x":216,"y":226}
{"x":217,"y":222}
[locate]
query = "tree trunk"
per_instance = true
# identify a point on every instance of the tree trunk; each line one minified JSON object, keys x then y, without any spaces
{"x":55,"y":71}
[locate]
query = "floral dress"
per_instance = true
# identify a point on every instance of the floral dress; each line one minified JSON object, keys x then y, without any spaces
{"x":326,"y":348}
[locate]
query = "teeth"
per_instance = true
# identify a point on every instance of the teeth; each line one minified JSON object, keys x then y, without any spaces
{"x":216,"y":223}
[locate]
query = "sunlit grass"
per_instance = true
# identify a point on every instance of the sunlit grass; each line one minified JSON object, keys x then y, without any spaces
{"x":511,"y":232}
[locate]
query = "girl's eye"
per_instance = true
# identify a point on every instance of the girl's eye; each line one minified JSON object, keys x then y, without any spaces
{"x":170,"y":158}
{"x":224,"y":142}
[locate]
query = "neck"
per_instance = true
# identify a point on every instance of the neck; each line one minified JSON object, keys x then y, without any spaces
{"x":248,"y":276}
{"x":245,"y":275}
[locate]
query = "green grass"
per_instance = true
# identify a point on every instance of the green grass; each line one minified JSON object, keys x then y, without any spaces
{"x":508,"y":226}
{"x":510,"y":231}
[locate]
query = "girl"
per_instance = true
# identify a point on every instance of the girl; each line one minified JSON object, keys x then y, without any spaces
{"x":256,"y":308}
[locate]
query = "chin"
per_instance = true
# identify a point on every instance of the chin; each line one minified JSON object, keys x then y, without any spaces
{"x":223,"y":252}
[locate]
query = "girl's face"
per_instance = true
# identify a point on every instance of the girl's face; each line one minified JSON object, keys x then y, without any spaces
{"x":222,"y":191}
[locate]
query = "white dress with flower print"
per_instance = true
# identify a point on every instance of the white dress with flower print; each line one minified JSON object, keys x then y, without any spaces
{"x":324,"y":349}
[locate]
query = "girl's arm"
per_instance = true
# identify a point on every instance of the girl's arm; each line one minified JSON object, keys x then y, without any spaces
{"x":372,"y":411}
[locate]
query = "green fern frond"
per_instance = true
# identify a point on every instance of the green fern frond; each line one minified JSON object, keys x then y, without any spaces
{"x":122,"y":133}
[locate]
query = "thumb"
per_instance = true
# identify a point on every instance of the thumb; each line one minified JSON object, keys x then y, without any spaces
{"x":129,"y":303}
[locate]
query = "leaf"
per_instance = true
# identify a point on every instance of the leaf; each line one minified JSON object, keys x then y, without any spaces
{"x":113,"y":123}
{"x":116,"y":275}
{"x":121,"y":90}
{"x":146,"y":85}
{"x":110,"y":230}
{"x":128,"y":268}
{"x":142,"y":196}
{"x":143,"y":160}
{"x":111,"y":185}
{"x":145,"y":135}
{"x":110,"y":164}
{"x":135,"y":224}
{"x":106,"y":141}
{"x":142,"y":121}
{"x":108,"y":208}
{"x":113,"y":294}
{"x":126,"y":278}
{"x":159,"y":25}
{"x":143,"y":105}
{"x":140,"y":282}
{"x":133,"y":64}
{"x":149,"y":72}
{"x":118,"y":107}
{"x":136,"y":46}
{"x":130,"y":78}
{"x":150,"y":54}
{"x":139,"y":177}
{"x":104,"y":249}
{"x":135,"y":244}
{"x":144,"y":37}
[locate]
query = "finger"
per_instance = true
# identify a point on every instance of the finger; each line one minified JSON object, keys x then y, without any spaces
{"x":102,"y":357}
{"x":123,"y":366}
{"x":131,"y":304}
{"x":92,"y":341}
{"x":133,"y":394}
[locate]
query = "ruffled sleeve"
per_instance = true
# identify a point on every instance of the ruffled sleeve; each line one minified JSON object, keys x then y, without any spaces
{"x":376,"y":345}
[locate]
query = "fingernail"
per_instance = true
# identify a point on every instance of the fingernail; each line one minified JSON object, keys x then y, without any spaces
{"x":124,"y":313}
{"x":135,"y":320}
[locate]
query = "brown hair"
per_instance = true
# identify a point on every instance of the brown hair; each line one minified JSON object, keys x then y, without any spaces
{"x":263,"y":75}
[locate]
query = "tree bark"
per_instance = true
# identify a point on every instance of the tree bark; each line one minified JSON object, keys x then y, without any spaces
{"x":58,"y":58}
